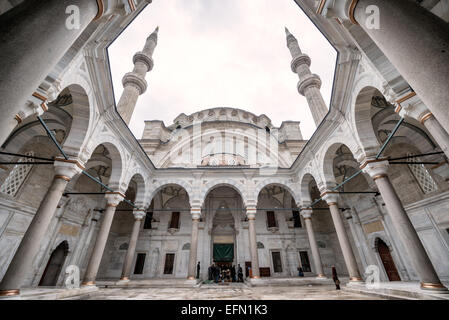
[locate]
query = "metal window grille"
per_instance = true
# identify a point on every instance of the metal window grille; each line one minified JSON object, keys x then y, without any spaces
{"x":17,"y":176}
{"x":422,"y":176}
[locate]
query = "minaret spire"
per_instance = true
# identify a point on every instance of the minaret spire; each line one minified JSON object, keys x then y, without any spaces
{"x":309,"y":84}
{"x":134,"y":82}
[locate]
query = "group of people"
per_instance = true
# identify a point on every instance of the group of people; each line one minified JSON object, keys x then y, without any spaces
{"x":235,"y":274}
{"x":218,"y":274}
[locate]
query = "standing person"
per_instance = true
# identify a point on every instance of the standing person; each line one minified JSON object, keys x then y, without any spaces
{"x":300,"y":272}
{"x":216,"y":273}
{"x":233,"y":273}
{"x":240,"y":274}
{"x":198,"y":267}
{"x":335,"y":278}
{"x":209,"y":273}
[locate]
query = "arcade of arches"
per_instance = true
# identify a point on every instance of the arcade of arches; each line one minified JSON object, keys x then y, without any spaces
{"x":224,"y":185}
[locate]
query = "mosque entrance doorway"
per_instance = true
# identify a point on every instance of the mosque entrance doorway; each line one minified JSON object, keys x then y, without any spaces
{"x":223,"y":205}
{"x":387,"y":261}
{"x":54,"y":265}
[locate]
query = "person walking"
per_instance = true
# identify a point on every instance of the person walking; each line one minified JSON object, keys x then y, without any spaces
{"x":300,"y":272}
{"x":198,"y":267}
{"x":335,"y":278}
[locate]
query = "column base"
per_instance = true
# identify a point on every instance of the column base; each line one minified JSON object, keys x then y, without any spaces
{"x":255,"y":277}
{"x":433,"y":287}
{"x":88,"y":283}
{"x":355,"y":279}
{"x":321,"y":276}
{"x":190,"y":278}
{"x":9,"y":293}
{"x":124,"y":279}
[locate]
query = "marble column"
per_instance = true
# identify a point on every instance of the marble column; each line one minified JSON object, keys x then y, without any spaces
{"x":32,"y":41}
{"x":348,"y":254}
{"x":81,"y":247}
{"x":138,"y":217}
{"x":307,"y":215}
{"x":378,"y":171}
{"x":196,"y":214}
{"x":94,"y":263}
{"x":413,"y":39}
{"x":251,"y":215}
{"x":22,"y":263}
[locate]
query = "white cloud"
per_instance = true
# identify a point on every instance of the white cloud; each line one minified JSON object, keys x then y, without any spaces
{"x":222,"y":53}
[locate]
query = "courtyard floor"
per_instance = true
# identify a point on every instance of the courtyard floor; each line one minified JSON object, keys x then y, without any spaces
{"x":226,"y":292}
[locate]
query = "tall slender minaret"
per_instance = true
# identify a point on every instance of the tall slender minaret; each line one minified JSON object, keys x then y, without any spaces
{"x":309,"y":84}
{"x":134,"y":82}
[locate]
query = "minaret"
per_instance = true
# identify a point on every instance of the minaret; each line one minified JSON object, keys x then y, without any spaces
{"x":309,"y":84}
{"x":134,"y":82}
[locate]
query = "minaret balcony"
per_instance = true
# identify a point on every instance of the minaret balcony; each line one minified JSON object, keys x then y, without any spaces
{"x":307,"y":82}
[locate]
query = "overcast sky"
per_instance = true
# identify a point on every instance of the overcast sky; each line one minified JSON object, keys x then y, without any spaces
{"x":222,"y":53}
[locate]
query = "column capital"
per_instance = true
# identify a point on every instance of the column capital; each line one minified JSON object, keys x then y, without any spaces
{"x":196,"y":213}
{"x":307,"y":213}
{"x":331,"y":197}
{"x":375,"y":168}
{"x":410,"y":105}
{"x":139,"y":214}
{"x":66,"y":169}
{"x":35,"y":105}
{"x":114,"y":198}
{"x":341,"y":9}
{"x":251,"y":213}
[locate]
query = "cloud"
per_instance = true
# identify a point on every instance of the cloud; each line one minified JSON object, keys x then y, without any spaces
{"x":222,"y":53}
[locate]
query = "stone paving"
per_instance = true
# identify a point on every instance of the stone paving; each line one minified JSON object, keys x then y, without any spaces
{"x":226,"y":292}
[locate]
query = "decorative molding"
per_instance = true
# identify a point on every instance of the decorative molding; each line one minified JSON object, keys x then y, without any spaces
{"x":116,"y":192}
{"x":364,"y":164}
{"x":76,"y":162}
{"x":321,"y":7}
{"x":100,"y":13}
{"x":426,"y":117}
{"x":406,"y":97}
{"x":62,"y":178}
{"x":380,"y":176}
{"x":132,"y":6}
{"x":18,"y":119}
{"x":352,"y":7}
{"x":428,"y":285}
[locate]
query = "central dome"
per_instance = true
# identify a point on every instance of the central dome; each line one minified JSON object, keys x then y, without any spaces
{"x":221,"y":114}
